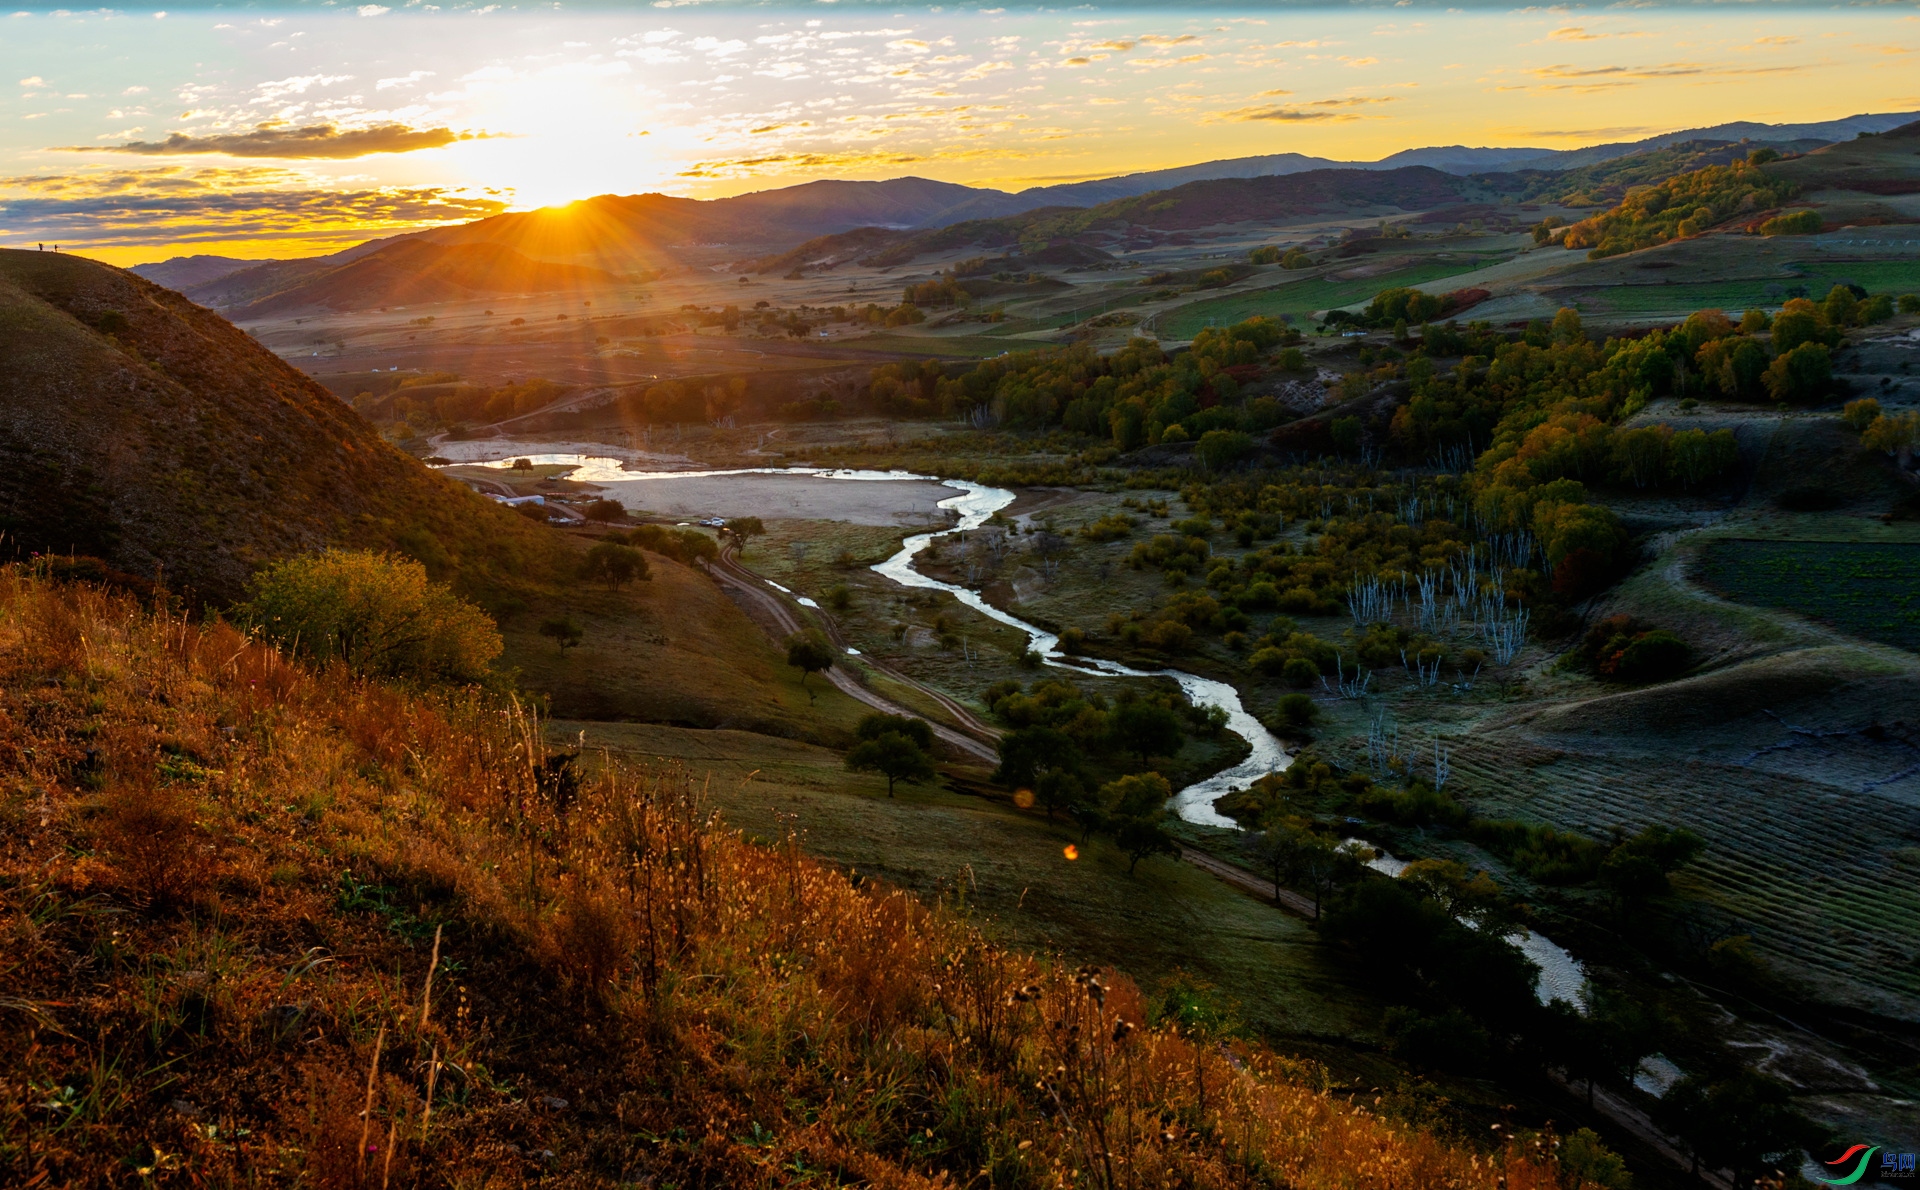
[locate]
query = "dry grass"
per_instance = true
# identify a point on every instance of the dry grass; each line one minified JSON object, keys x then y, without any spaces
{"x":220,"y":874}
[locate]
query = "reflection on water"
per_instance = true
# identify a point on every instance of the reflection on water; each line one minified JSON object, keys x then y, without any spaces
{"x":976,"y":504}
{"x":1561,"y":975}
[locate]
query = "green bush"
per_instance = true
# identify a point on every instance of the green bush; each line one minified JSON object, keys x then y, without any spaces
{"x":1793,"y":223}
{"x":1297,"y":711}
{"x":377,"y":613}
{"x":1299,"y":672}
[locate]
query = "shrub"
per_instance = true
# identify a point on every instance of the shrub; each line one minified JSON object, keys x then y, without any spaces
{"x":606,"y":510}
{"x":1624,"y":649}
{"x":1297,"y":711}
{"x":377,"y":613}
{"x":150,"y":832}
{"x":1108,"y":528}
{"x":1860,"y":414}
{"x":1219,"y":449}
{"x":1792,"y":223}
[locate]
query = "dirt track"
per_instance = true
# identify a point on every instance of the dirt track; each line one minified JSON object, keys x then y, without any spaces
{"x":781,"y":620}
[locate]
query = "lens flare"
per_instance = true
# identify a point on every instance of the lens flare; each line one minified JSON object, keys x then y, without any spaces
{"x":1070,"y":851}
{"x":1023,"y":798}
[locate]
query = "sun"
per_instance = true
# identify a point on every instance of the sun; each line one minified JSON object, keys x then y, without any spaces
{"x":562,"y":137}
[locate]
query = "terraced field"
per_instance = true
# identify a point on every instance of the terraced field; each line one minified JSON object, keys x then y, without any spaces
{"x":1682,"y":299}
{"x":1301,"y":298}
{"x":1819,"y":876}
{"x":1871,"y":590}
{"x":1877,"y":276}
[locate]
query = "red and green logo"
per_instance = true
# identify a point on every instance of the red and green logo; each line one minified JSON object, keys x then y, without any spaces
{"x":1864,"y":1152}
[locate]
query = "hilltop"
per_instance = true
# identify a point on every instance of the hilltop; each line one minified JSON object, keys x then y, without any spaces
{"x":143,"y":430}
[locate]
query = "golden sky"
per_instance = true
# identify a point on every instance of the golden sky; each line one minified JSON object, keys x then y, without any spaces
{"x":136,"y":135}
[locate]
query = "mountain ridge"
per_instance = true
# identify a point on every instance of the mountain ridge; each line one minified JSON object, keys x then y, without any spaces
{"x":622,"y":235}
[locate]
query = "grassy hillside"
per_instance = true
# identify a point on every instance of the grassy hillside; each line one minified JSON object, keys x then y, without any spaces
{"x":271,"y":927}
{"x":142,"y":429}
{"x":673,"y":650}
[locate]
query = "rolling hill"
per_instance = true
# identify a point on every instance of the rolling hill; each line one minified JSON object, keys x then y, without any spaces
{"x":402,"y":272}
{"x":623,"y":234}
{"x":143,"y":430}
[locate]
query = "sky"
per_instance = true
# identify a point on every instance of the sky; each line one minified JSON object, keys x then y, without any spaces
{"x":273,"y":130}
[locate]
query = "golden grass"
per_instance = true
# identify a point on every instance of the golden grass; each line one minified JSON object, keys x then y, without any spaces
{"x":219,"y":874}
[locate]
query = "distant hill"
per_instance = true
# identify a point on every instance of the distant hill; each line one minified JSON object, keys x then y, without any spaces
{"x":626,"y":234}
{"x":1454,"y":159}
{"x":185,"y":272}
{"x":1182,"y":208}
{"x":1884,"y":164}
{"x":404,"y":273}
{"x":143,"y":430}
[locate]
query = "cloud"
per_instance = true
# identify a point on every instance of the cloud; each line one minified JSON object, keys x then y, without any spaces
{"x":1617,"y":75}
{"x":984,"y":69}
{"x":1319,"y":109}
{"x":1284,"y":115}
{"x":405,"y":80}
{"x":1157,"y":39}
{"x":173,"y":204}
{"x":314,"y":142}
{"x":1589,"y":133}
{"x":279,"y":89}
{"x":836,"y":162}
{"x":373,"y":10}
{"x":33,"y":81}
{"x":1158,"y":63}
{"x":1574,"y":33}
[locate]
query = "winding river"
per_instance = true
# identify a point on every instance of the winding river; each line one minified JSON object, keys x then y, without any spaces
{"x":1561,"y":975}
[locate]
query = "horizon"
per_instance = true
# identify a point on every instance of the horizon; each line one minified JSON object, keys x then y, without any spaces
{"x":297,"y":131}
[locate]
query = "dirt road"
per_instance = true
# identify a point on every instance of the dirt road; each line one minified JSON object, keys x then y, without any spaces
{"x":781,"y":620}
